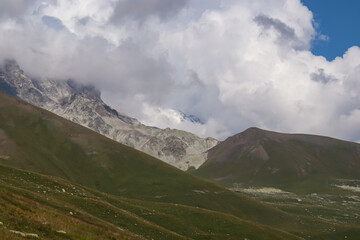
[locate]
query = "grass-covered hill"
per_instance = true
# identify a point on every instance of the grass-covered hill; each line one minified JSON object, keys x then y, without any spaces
{"x":52,"y":208}
{"x":294,"y":162}
{"x":76,"y":181}
{"x":36,"y":140}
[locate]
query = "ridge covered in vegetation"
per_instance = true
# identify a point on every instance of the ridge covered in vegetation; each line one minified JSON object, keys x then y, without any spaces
{"x":76,"y":181}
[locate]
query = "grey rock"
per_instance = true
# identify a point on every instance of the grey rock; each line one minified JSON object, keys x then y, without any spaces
{"x":83,"y":105}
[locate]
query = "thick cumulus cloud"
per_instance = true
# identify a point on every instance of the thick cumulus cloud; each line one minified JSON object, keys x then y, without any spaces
{"x":234,"y":64}
{"x":14,"y":8}
{"x":140,"y":10}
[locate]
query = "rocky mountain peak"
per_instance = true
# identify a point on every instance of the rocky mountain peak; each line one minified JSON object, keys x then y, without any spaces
{"x":10,"y":66}
{"x":89,"y":90}
{"x":82,"y":104}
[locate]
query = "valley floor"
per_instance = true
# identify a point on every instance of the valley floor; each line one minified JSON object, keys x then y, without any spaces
{"x":339,"y":206}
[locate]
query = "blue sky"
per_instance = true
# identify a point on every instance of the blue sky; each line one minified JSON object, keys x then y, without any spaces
{"x":339,"y":21}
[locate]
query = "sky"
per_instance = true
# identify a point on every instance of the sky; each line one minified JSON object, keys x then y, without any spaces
{"x":274,"y":64}
{"x":337,"y":22}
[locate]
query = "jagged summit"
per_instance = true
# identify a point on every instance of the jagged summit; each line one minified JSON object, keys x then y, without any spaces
{"x":51,"y":94}
{"x":82,"y":104}
{"x":190,"y":117}
{"x":88,"y":90}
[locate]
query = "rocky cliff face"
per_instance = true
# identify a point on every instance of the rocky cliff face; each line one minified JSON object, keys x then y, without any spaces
{"x":83,"y":105}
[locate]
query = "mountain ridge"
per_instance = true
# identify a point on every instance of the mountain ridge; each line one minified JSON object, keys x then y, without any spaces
{"x":132,"y":190}
{"x":274,"y":159}
{"x":83,"y":105}
{"x":44,"y":143}
{"x":85,"y":175}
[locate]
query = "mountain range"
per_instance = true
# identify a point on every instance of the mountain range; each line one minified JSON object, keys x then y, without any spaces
{"x":295,"y":162}
{"x":63,"y":169}
{"x":67,"y":172}
{"x":82,"y":104}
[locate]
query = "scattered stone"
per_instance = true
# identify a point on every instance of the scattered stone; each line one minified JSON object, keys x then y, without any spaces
{"x":63,"y":190}
{"x":33,"y":235}
{"x":61,"y":231}
{"x":299,"y":200}
{"x":349,"y":188}
{"x":201,"y":191}
{"x":265,"y":190}
{"x":160,"y":196}
{"x":18,"y":233}
{"x":1,"y":224}
{"x":71,"y":213}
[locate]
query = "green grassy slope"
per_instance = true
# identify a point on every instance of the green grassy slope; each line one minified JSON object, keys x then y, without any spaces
{"x":134,"y":192}
{"x":44,"y":205}
{"x":34,"y":139}
{"x":293,"y":162}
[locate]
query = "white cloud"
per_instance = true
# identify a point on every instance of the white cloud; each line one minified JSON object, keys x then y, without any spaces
{"x":141,"y":10}
{"x":263,"y":77}
{"x":323,"y":37}
{"x":14,"y":8}
{"x":169,"y":118}
{"x":234,"y":64}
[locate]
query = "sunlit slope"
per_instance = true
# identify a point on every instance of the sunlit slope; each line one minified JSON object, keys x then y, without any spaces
{"x":136,"y":196}
{"x":53,"y":208}
{"x":294,"y":162}
{"x":36,"y":140}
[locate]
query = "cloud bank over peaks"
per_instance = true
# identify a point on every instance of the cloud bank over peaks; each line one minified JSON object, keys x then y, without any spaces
{"x":234,"y":64}
{"x":170,"y":118}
